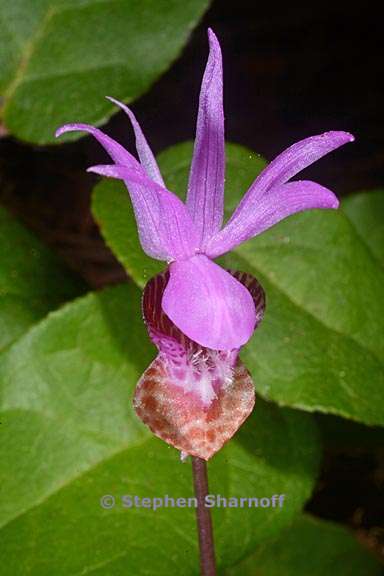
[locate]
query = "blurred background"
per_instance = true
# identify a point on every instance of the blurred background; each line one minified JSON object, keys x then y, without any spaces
{"x":288,"y":73}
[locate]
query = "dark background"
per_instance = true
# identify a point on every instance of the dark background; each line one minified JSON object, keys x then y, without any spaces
{"x":288,"y":73}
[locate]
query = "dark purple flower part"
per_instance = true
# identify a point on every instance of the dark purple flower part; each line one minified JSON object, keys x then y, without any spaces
{"x":205,"y":313}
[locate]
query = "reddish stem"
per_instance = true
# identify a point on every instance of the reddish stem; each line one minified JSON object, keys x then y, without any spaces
{"x":203,"y":516}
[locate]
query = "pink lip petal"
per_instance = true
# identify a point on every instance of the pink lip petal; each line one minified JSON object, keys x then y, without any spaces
{"x":192,"y":397}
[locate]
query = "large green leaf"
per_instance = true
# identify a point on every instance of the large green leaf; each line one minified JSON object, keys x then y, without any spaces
{"x":69,"y":436}
{"x":59,"y":58}
{"x":32,"y":280}
{"x":320,"y":346}
{"x":310,"y":547}
{"x":366,"y":212}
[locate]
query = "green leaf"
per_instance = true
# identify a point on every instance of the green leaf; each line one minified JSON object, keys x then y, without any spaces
{"x":32,"y":280}
{"x":365,"y":210}
{"x":59,"y":58}
{"x":320,"y":346}
{"x":310,"y":547}
{"x":69,"y":436}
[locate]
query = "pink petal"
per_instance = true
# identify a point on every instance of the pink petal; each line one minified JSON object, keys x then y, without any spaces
{"x":208,"y":305}
{"x":244,"y":222}
{"x":162,"y":218}
{"x":146,"y":156}
{"x":280,"y":202}
{"x":206,"y":182}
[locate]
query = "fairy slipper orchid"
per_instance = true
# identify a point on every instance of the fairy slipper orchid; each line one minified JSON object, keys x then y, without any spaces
{"x":197,"y":393}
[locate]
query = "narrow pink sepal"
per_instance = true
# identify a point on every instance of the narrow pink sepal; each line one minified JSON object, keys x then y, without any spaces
{"x":144,"y":151}
{"x":163,"y":214}
{"x":278,"y":203}
{"x":116,"y":151}
{"x":292,"y":161}
{"x":145,"y":202}
{"x":267,"y":191}
{"x":205,"y":195}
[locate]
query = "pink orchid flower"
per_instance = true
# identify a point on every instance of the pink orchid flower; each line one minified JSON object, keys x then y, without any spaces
{"x":197,"y":392}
